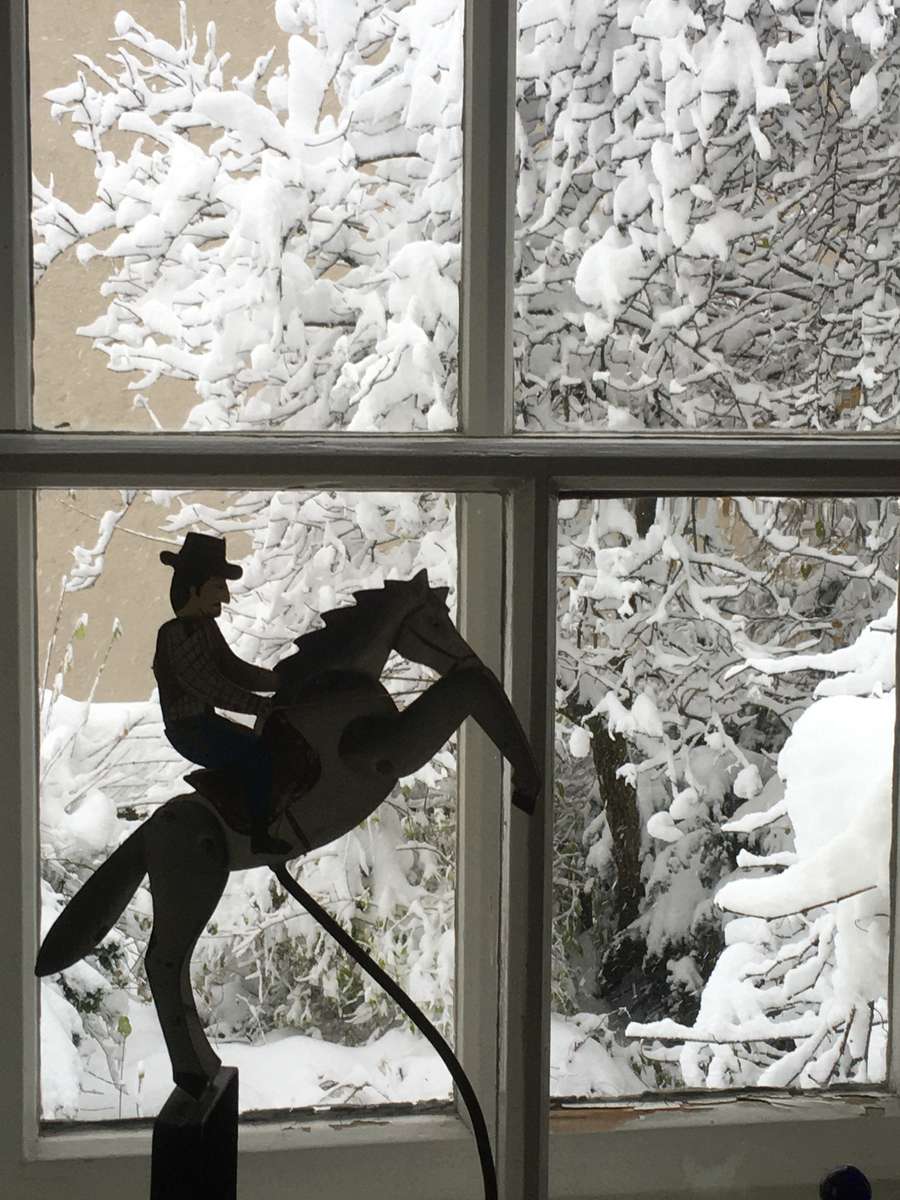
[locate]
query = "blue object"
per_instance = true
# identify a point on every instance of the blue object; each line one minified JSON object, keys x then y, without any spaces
{"x":845,"y":1183}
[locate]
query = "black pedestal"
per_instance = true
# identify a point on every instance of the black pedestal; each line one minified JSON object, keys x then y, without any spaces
{"x":195,"y":1143}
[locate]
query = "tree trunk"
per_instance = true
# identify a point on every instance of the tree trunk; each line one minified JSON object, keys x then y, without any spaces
{"x":620,"y":805}
{"x":618,"y":797}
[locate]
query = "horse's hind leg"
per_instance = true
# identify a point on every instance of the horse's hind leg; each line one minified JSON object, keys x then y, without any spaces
{"x":187,"y":864}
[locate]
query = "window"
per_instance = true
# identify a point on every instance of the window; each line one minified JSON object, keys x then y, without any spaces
{"x":509,"y":487}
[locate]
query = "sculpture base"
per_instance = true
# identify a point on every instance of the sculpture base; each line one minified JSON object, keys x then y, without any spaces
{"x":195,"y":1143}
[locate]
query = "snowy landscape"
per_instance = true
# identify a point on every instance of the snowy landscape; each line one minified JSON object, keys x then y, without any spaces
{"x":707,"y":239}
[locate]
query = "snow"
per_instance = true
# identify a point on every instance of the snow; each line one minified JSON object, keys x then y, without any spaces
{"x":61,"y":1064}
{"x":661,"y":825}
{"x":837,"y":771}
{"x":865,"y":97}
{"x":582,"y":1066}
{"x":643,"y":716}
{"x":308,"y":76}
{"x":579,"y":742}
{"x":872,"y":24}
{"x":280,"y":1071}
{"x":714,"y":237}
{"x":868,"y":665}
{"x":609,"y":273}
{"x":747,"y":782}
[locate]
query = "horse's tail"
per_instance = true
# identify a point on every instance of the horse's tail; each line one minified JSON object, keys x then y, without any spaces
{"x":92,"y":911}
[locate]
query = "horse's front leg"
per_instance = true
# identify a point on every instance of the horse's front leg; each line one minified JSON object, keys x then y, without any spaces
{"x":397,"y":746}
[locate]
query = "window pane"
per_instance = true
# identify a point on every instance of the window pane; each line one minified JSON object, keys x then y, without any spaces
{"x":251,"y":222}
{"x":706,"y":201}
{"x":726,"y":713}
{"x":277,"y":997}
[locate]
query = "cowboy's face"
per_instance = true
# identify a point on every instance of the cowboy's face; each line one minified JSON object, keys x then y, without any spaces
{"x":210,"y":596}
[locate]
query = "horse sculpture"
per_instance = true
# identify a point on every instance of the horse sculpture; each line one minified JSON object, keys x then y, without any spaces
{"x":339,"y":746}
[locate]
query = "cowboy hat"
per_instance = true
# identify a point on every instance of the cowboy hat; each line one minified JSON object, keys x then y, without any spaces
{"x":200,"y":551}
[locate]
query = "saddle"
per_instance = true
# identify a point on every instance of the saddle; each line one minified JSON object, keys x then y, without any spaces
{"x":295,"y":771}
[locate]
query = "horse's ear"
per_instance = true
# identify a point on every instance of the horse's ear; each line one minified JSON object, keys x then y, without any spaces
{"x":441,"y":593}
{"x":420,"y":579}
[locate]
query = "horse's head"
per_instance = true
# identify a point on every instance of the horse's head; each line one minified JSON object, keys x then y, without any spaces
{"x":426,"y":633}
{"x":408,"y":616}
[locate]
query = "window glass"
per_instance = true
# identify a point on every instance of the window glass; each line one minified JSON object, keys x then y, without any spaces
{"x":706,"y":208}
{"x":250,"y":220}
{"x":726,"y":709}
{"x":277,"y":997}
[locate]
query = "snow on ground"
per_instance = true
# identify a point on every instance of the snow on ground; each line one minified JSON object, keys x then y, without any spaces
{"x":283,"y":1071}
{"x":580,"y":1066}
{"x":288,"y":1071}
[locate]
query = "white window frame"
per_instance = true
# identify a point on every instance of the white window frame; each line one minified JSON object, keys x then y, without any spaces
{"x":509,"y":487}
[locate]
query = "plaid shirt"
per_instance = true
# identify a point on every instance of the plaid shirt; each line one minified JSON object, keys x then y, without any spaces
{"x":197,"y":672}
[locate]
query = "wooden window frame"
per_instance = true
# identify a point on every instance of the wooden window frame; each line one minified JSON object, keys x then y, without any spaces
{"x":508,"y":486}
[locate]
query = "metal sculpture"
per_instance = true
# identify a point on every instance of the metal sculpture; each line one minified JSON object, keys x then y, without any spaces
{"x":337,"y":744}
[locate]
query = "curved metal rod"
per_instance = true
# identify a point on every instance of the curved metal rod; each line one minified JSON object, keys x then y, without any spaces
{"x":415,"y":1014}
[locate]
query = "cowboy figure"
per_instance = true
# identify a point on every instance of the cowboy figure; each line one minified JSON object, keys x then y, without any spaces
{"x":197,"y":673}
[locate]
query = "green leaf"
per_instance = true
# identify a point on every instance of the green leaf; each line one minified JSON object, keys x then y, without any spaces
{"x":820,"y":528}
{"x":124,"y":1027}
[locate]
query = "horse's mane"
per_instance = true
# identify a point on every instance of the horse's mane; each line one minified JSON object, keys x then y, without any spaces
{"x":345,"y":627}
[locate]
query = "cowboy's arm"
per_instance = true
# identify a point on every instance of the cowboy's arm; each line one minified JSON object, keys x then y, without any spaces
{"x":194,"y":664}
{"x":243,"y":674}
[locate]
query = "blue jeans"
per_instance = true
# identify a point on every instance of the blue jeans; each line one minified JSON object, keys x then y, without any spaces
{"x":211,"y":741}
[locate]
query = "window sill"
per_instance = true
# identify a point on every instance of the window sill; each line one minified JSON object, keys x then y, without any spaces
{"x":728,"y":1147}
{"x":260,"y":1136}
{"x":382,"y":1159}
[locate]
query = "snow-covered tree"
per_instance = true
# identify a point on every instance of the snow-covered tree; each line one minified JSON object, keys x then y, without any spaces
{"x":287,"y":241}
{"x":679,"y":684}
{"x":708,"y":214}
{"x":705,"y":240}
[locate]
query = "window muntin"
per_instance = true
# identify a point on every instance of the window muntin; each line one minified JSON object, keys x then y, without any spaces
{"x":705,"y":202}
{"x":259,"y":243}
{"x":269,"y":982}
{"x":725,"y":721}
